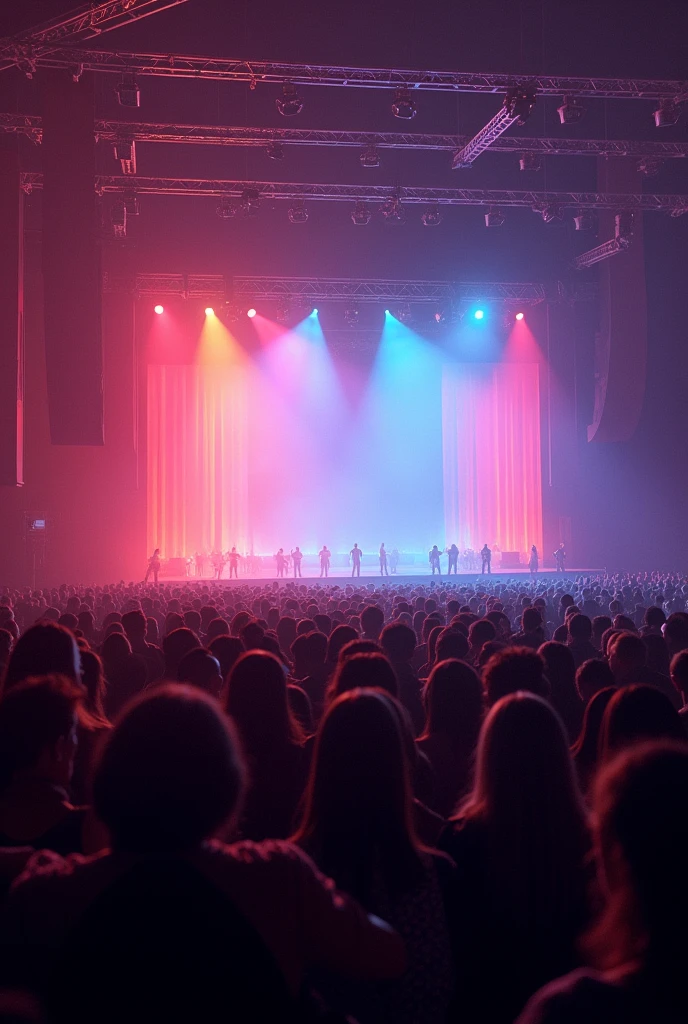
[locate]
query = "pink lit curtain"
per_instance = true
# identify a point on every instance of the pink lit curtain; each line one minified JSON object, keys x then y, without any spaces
{"x":197,"y":459}
{"x":491,"y":453}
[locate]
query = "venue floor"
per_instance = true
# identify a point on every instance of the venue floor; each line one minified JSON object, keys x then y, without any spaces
{"x":400,"y":579}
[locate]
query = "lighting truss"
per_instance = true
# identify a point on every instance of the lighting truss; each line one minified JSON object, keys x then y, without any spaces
{"x":253,"y":72}
{"x":507,"y":115}
{"x":600,"y":252}
{"x":221,"y":135}
{"x":80,"y":24}
{"x":673,"y":204}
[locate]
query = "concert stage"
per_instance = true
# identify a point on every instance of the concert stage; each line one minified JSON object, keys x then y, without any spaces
{"x":371,"y":578}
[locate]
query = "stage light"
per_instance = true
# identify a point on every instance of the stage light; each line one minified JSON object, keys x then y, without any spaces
{"x":289,"y":103}
{"x":361,"y":214}
{"x":131,"y":203}
{"x":158,"y":309}
{"x":650,"y":166}
{"x":251,"y":313}
{"x":432,"y":217}
{"x":125,"y":152}
{"x":519,"y":102}
{"x":479,"y":314}
{"x":274,"y":151}
{"x":250,"y":202}
{"x":209,"y":311}
{"x":314,"y":312}
{"x":369,"y":157}
{"x":351,"y":316}
{"x":392,"y":211}
{"x":667,"y":113}
{"x":226,"y":208}
{"x":584,"y":221}
{"x":128,"y":92}
{"x":118,"y":219}
{"x":387,"y":313}
{"x":571,"y":111}
{"x":550,"y":213}
{"x":623,"y":229}
{"x":403,"y":105}
{"x":530,"y":162}
{"x":520,"y":316}
{"x":494,"y":218}
{"x":298,"y":214}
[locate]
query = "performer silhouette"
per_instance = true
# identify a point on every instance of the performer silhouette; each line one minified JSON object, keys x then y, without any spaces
{"x":434,"y":559}
{"x":394,"y":561}
{"x":560,"y":557}
{"x":533,"y":561}
{"x":453,"y":553}
{"x":325,"y":554}
{"x":153,"y":567}
{"x":296,"y":557}
{"x":356,"y":554}
{"x":486,"y":556}
{"x":233,"y":559}
{"x":281,"y":562}
{"x":384,"y":571}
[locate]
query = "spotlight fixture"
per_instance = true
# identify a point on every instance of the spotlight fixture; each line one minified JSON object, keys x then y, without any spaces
{"x":439,"y":317}
{"x":584,"y":220}
{"x":494,"y":218}
{"x":404,"y":314}
{"x":131,"y":203}
{"x":530,"y":162}
{"x":158,"y":309}
{"x":361,"y":214}
{"x":550,"y":212}
{"x":667,"y":113}
{"x":125,"y":152}
{"x":226,"y":208}
{"x":403,"y":105}
{"x":209,"y":311}
{"x":650,"y":166}
{"x":282,"y":312}
{"x":351,"y":316}
{"x":118,"y":219}
{"x":231,"y":313}
{"x":289,"y":103}
{"x":623,"y":229}
{"x":519,"y":102}
{"x":479,"y":314}
{"x":571,"y":111}
{"x":128,"y":92}
{"x":314,"y":311}
{"x":432,"y":217}
{"x":392,"y":210}
{"x":250,"y":313}
{"x":519,"y":316}
{"x":250,"y":202}
{"x":274,"y":151}
{"x":369,"y":157}
{"x":298,"y":214}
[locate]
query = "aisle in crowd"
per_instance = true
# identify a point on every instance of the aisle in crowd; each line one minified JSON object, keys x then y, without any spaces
{"x":375,"y":802}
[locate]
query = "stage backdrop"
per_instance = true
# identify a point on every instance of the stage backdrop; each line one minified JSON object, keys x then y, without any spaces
{"x":427,"y":453}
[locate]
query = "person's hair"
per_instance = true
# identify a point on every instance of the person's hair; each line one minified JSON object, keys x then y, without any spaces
{"x":679,"y":671}
{"x":339,"y":636}
{"x":450,"y":644}
{"x":526,"y":799}
{"x":372,"y":618}
{"x":514,"y":669}
{"x":227,"y":650}
{"x":357,"y":823}
{"x":531,"y":619}
{"x":93,"y":680}
{"x":656,"y":653}
{"x":34,"y":714}
{"x":654,"y":616}
{"x":255,"y":697}
{"x":600,"y":624}
{"x":368,"y":671}
{"x":398,"y":641}
{"x":580,"y":627}
{"x":454,"y":703}
{"x":170,"y":773}
{"x":628,"y":648}
{"x":606,"y":639}
{"x":641,"y":815}
{"x":676,"y":630}
{"x":201,"y":668}
{"x":358,"y":647}
{"x":134,"y":623}
{"x":174,"y":646}
{"x":592,"y":676}
{"x":115,"y":649}
{"x":480,"y":632}
{"x":310,"y":647}
{"x":637,"y":713}
{"x":586,"y":748}
{"x":560,"y":669}
{"x":217,"y":627}
{"x":44,"y":649}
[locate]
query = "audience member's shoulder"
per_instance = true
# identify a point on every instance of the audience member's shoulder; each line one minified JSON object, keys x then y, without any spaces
{"x":276,"y":857}
{"x":583,"y":995}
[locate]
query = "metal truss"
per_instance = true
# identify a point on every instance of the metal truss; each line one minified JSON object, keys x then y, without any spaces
{"x":486,"y":137}
{"x":222,"y":135}
{"x":601,"y":252}
{"x":83,"y":23}
{"x":245,"y":289}
{"x":254,"y":72}
{"x":676,"y":205}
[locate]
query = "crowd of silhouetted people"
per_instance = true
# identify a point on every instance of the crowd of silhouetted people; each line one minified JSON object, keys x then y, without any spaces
{"x":373,"y":803}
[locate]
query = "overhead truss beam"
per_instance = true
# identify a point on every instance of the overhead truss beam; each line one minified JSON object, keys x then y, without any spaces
{"x":222,"y":135}
{"x":254,"y":72}
{"x":127,"y":184}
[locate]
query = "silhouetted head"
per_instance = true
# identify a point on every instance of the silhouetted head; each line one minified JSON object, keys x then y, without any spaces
{"x":363,"y":671}
{"x":635,"y":714}
{"x":256,"y":699}
{"x":454,"y":702}
{"x":451,"y":643}
{"x":592,"y":676}
{"x":174,"y":646}
{"x":580,"y":627}
{"x":339,"y":636}
{"x":134,"y":623}
{"x":398,"y":641}
{"x":514,"y":669}
{"x":38,"y":729}
{"x":200,"y":668}
{"x":44,"y":649}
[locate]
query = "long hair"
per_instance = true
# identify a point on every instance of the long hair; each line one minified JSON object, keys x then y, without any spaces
{"x":93,"y":679}
{"x":357,"y":821}
{"x":256,"y":698}
{"x":526,"y":800}
{"x":635,"y":714}
{"x":454,"y":703}
{"x":44,"y":649}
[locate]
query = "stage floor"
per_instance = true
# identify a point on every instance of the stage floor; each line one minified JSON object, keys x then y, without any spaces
{"x":400,"y":579}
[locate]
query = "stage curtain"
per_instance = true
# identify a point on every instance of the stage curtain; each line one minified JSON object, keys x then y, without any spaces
{"x":197,"y":459}
{"x":491,"y":453}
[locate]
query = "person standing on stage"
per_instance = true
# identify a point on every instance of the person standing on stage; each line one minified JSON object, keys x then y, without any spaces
{"x":356,"y":555}
{"x":198,"y":559}
{"x":434,"y":559}
{"x":394,"y":560}
{"x":486,"y":556}
{"x":234,"y":557}
{"x":324,"y":555}
{"x":453,"y":553}
{"x":218,"y":562}
{"x":560,"y":557}
{"x":296,"y":557}
{"x":384,"y":571}
{"x":153,"y":567}
{"x":533,"y":561}
{"x":281,"y":562}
